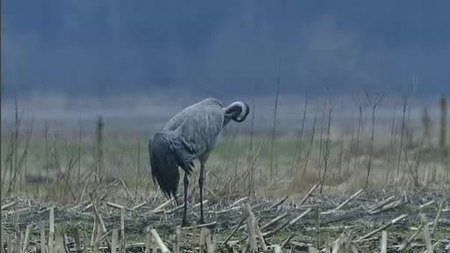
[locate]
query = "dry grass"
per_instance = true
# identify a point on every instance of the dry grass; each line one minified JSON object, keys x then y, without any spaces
{"x":68,"y":167}
{"x":91,"y":163}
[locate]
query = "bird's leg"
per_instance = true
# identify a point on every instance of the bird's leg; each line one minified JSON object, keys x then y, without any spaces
{"x":186,"y":184}
{"x":201,"y":180}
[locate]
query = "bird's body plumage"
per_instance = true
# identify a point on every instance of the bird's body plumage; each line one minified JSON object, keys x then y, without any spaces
{"x":199,"y":125}
{"x":190,"y":134}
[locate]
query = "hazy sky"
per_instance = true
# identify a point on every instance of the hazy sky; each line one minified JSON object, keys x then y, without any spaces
{"x":99,"y":47}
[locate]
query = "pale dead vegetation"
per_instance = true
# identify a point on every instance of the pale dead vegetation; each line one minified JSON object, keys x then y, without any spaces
{"x":318,"y":160}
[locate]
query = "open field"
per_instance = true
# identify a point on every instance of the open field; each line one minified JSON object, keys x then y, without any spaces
{"x":297,"y":224}
{"x":276,"y":126}
{"x":68,"y":163}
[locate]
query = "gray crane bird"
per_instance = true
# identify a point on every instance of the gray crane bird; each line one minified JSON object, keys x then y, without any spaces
{"x":189,"y":135}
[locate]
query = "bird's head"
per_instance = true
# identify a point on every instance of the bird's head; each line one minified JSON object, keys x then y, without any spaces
{"x":238,"y":111}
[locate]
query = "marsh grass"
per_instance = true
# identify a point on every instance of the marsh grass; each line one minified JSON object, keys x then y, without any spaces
{"x":66,"y":167}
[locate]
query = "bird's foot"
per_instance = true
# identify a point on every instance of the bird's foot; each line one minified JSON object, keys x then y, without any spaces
{"x":185,"y":223}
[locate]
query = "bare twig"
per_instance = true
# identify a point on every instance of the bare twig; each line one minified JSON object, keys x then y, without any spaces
{"x":114,"y":240}
{"x":103,"y":236}
{"x":288,"y":224}
{"x":203,"y":234}
{"x":277,"y":249}
{"x":25,"y":240}
{"x":383,"y":241}
{"x":273,"y":221}
{"x":51,"y":232}
{"x":405,"y":244}
{"x":77,"y":239}
{"x":237,"y":202}
{"x":381,"y":204}
{"x":181,"y":207}
{"x":298,"y":147}
{"x":251,"y":156}
{"x":310,"y":147}
{"x":126,"y":189}
{"x":382,"y":227}
{"x":429,"y":203}
{"x":279,"y":202}
{"x":139,"y":206}
{"x":94,"y":231}
{"x":114,"y":205}
{"x":177,"y":240}
{"x":438,"y":216}
{"x":162,"y":206}
{"x":373,"y":102}
{"x":60,"y":246}
{"x":201,"y":226}
{"x":87,"y":207}
{"x":251,"y":230}
{"x":308,"y":194}
{"x":391,"y":205}
{"x":273,"y":153}
{"x":43,"y":248}
{"x":225,"y":210}
{"x":122,"y":230}
{"x":9,"y":205}
{"x":9,"y":245}
{"x":287,"y":240}
{"x":406,"y":96}
{"x":102,"y":224}
{"x":327,"y":143}
{"x":18,"y":241}
{"x":342,"y":244}
{"x":148,"y":242}
{"x":356,"y":194}
{"x":210,"y":243}
{"x":426,"y":233}
{"x":158,"y":240}
{"x":234,"y":231}
{"x":261,"y":238}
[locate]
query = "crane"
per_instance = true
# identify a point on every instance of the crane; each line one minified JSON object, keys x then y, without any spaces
{"x":189,"y":135}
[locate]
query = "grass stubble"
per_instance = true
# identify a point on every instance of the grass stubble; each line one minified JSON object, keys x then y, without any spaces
{"x":66,"y":169}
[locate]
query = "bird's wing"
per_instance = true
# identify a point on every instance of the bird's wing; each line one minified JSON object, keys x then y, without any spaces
{"x":197,"y":128}
{"x":189,"y":134}
{"x":208,"y":105}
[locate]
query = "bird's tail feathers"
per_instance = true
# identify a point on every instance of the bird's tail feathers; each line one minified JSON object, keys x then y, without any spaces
{"x":164,"y":163}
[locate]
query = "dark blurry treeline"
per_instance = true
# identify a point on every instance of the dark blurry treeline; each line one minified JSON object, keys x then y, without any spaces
{"x":219,"y":48}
